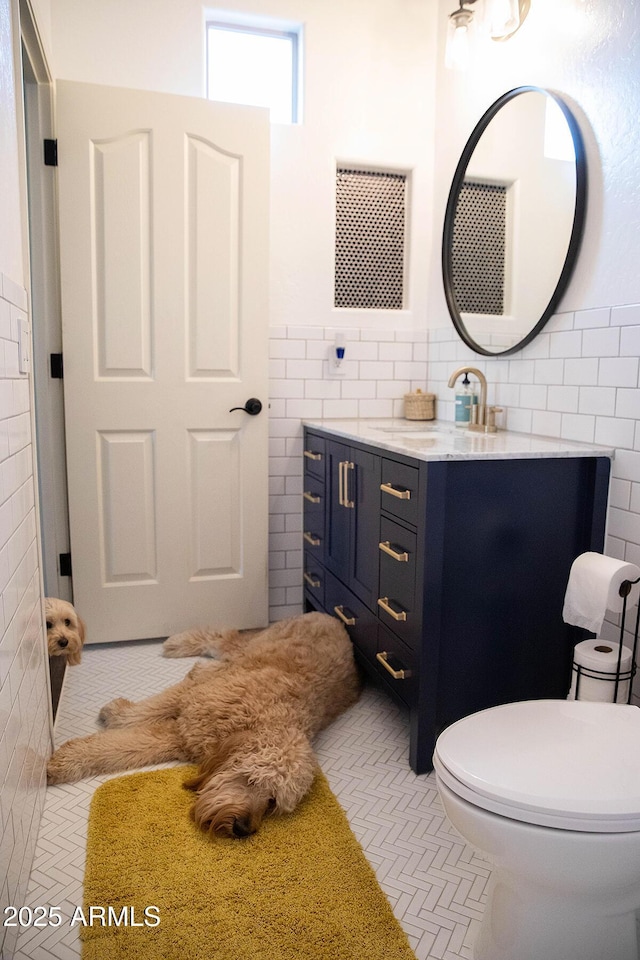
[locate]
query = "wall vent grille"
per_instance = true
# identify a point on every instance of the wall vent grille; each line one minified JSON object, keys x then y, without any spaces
{"x":479,"y":246}
{"x":370,"y":239}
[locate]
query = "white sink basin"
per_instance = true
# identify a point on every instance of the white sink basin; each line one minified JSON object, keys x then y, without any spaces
{"x":421,"y":431}
{"x":423,"y":435}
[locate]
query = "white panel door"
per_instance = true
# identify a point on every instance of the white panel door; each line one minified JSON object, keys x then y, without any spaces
{"x":164,"y":265}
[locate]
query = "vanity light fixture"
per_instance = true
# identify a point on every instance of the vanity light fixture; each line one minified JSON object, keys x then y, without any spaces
{"x":457,"y":50}
{"x":506,"y":17}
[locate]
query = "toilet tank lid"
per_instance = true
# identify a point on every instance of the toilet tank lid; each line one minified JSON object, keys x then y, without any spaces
{"x":564,"y":757}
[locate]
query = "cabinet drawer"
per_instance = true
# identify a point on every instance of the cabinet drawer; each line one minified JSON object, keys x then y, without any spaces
{"x":399,"y":490}
{"x":397,"y":583}
{"x":313,"y":503}
{"x":361,"y":624}
{"x":314,"y":455}
{"x":397,"y":665}
{"x":313,"y":541}
{"x":313,"y":577}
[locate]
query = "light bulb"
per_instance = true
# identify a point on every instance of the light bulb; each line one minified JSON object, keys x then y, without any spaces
{"x":457,"y":50}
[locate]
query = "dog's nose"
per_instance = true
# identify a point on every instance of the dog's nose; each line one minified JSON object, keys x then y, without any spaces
{"x":63,"y":643}
{"x":242,"y":827}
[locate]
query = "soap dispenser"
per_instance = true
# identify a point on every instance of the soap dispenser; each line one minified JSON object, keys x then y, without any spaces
{"x":465,"y":399}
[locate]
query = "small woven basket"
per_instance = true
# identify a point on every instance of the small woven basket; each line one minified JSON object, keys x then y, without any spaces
{"x":419,"y":406}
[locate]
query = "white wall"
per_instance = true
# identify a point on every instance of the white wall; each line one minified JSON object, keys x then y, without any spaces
{"x":11,"y":232}
{"x":371,"y":67}
{"x":367,"y":96}
{"x":587,"y":52}
{"x":24,"y":704}
{"x":369,"y":74}
{"x":579,"y":379}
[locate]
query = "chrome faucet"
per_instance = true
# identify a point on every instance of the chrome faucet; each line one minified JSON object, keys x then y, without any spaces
{"x":482,"y":419}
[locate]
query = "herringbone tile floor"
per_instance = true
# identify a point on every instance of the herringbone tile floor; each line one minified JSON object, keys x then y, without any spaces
{"x":433,"y":880}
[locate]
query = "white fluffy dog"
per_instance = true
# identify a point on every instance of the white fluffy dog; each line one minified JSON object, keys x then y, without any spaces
{"x":65,"y":630}
{"x":247,"y":721}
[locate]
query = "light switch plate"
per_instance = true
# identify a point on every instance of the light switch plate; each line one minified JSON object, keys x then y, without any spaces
{"x":333,"y":369}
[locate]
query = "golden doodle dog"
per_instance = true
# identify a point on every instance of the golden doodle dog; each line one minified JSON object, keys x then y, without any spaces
{"x":247,"y":720}
{"x":65,"y":630}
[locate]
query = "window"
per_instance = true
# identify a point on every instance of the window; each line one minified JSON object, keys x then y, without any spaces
{"x":254,"y":65}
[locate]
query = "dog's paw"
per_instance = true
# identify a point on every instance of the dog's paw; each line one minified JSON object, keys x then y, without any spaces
{"x":113,"y":711}
{"x":62,"y":768}
{"x":188,"y":644}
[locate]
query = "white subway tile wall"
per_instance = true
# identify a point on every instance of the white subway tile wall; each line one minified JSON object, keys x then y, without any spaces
{"x":579,"y":379}
{"x":379,"y":367}
{"x":24,"y":704}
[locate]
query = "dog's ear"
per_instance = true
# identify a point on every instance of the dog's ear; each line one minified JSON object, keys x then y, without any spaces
{"x":215,"y":758}
{"x":73,"y":659}
{"x":82,"y":630}
{"x":287,"y":773}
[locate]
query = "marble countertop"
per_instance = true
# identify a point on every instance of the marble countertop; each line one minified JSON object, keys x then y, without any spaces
{"x":442,"y":440}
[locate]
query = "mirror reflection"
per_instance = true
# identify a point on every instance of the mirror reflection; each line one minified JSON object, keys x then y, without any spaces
{"x":514,"y":220}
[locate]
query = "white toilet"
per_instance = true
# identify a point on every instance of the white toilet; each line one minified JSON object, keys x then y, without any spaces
{"x":549,"y":791}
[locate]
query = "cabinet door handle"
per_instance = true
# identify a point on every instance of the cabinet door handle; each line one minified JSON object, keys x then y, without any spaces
{"x":386,"y":547}
{"x":396,"y":674}
{"x":396,"y":614}
{"x":399,"y":492}
{"x":311,"y":497}
{"x":311,"y":538}
{"x":347,"y":502}
{"x":343,"y":484}
{"x":347,"y":618}
{"x":312,"y":581}
{"x":312,"y":455}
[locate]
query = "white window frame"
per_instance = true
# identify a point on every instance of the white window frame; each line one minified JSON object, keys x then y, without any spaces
{"x":266,"y":27}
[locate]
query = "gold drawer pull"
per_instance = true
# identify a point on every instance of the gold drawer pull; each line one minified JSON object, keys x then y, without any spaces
{"x":396,"y":674}
{"x":311,"y":497}
{"x":400,"y":493}
{"x":312,"y":455}
{"x":349,"y":620}
{"x":311,"y":580}
{"x":397,"y":615}
{"x":387,"y":548}
{"x":311,"y":538}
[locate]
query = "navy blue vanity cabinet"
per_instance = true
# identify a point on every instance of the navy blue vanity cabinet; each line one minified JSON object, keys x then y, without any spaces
{"x":352,"y":484}
{"x":466,"y":567}
{"x":360,"y":621}
{"x":497,"y":544}
{"x":313,"y":519}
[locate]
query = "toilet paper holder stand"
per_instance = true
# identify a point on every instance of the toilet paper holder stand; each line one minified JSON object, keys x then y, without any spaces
{"x":620,"y":675}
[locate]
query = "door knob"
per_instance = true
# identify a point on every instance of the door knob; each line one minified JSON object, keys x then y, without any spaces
{"x":253,"y":406}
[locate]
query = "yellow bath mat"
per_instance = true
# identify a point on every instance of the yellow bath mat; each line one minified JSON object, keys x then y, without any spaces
{"x":299,"y":889}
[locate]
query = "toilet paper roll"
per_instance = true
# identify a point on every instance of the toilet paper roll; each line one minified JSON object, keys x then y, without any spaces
{"x":594,"y":588}
{"x":595,"y":658}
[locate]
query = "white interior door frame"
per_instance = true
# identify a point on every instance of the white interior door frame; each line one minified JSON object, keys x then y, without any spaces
{"x":39,"y":217}
{"x":45,"y":310}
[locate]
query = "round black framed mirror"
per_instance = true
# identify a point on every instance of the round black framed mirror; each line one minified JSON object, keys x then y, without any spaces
{"x":514,"y":220}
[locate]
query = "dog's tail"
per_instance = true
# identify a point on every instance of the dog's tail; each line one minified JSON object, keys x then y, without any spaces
{"x":207,"y":642}
{"x":191,"y":643}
